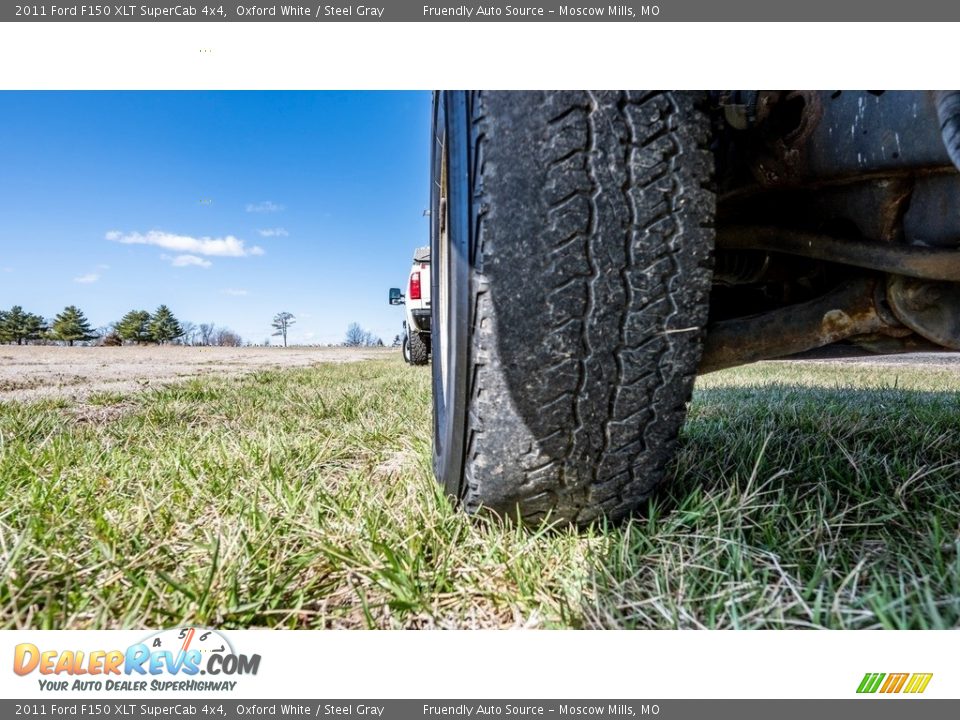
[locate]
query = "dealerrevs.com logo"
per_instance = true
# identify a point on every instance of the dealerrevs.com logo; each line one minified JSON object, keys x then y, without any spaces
{"x":168,"y":660}
{"x":888,"y":683}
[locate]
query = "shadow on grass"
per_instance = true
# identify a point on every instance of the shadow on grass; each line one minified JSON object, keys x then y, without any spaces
{"x":795,"y":506}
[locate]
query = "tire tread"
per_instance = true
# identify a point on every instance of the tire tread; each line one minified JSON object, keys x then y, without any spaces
{"x":583,"y":421}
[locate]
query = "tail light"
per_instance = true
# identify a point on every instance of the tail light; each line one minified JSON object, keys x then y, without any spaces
{"x":415,"y":286}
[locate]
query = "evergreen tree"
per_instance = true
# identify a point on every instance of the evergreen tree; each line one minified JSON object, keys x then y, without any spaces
{"x":164,"y":327}
{"x":35,"y":328}
{"x":71,"y":326}
{"x":135,"y":327}
{"x":19,"y":326}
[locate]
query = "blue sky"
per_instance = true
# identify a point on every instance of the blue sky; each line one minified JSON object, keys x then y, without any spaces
{"x":227,"y":206}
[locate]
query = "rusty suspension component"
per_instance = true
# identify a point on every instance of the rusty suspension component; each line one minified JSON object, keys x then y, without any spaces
{"x":918,"y":262}
{"x":930,"y":309}
{"x":850,"y":310}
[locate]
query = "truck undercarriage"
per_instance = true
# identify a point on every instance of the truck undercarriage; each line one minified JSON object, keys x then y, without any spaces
{"x":838,"y":223}
{"x":596,"y":251}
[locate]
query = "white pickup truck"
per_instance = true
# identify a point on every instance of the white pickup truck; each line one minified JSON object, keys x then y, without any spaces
{"x":416,"y":336}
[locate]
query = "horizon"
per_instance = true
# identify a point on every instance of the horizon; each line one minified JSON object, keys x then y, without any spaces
{"x":227,"y":206}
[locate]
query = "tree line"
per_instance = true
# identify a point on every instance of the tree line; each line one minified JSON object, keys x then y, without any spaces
{"x":136,"y":327}
{"x":139,"y":327}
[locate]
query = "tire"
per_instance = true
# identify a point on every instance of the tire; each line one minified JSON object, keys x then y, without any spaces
{"x":405,"y":350}
{"x":572,"y":244}
{"x":418,"y":349}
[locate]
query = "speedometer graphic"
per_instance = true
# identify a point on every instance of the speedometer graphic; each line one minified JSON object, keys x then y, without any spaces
{"x":184,"y":639}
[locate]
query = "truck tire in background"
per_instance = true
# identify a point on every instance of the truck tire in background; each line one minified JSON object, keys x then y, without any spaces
{"x":417,"y":349}
{"x":572,"y":241}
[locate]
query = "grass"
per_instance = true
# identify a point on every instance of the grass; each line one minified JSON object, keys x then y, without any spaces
{"x":803,"y":495}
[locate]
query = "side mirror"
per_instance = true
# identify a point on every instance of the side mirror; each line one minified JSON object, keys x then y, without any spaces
{"x":396,"y":297}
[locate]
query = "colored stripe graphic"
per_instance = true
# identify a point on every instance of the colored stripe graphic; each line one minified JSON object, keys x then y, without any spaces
{"x":918,"y":682}
{"x":894,"y":683}
{"x":870,"y":683}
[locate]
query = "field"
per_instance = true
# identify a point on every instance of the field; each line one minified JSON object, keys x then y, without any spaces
{"x":30,"y":373}
{"x":804,"y":494}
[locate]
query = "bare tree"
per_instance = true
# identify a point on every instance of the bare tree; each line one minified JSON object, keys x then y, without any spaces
{"x":358,"y":337}
{"x":190,"y":333}
{"x":107,"y":336}
{"x":281,"y":323}
{"x":225,"y":337}
{"x":206,"y":333}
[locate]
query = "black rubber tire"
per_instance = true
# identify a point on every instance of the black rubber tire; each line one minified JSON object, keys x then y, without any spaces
{"x":418,"y":349}
{"x":405,"y":350}
{"x":579,"y":238}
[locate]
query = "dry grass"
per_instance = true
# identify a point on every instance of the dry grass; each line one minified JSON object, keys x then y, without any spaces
{"x":803,"y":495}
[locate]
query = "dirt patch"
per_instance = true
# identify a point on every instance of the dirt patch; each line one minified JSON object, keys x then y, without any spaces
{"x":942,"y":359}
{"x":34,"y":373}
{"x":100,"y":414}
{"x":9,"y":385}
{"x":395,"y":464}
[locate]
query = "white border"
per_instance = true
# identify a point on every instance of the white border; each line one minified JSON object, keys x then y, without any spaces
{"x":354,"y":56}
{"x":546,"y":665}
